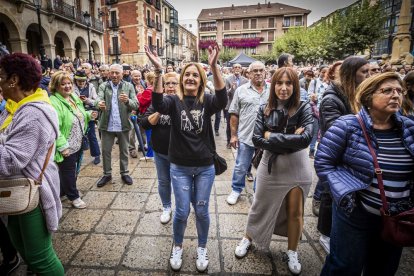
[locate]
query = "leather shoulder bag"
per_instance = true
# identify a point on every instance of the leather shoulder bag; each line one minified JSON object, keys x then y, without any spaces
{"x":220,"y":164}
{"x":396,"y":229}
{"x":21,"y":195}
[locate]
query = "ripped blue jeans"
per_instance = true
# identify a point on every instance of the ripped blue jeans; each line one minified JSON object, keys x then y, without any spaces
{"x":191,"y":184}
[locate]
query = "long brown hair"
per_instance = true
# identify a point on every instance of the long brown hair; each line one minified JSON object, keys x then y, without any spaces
{"x":294,"y":100}
{"x":203,"y":82}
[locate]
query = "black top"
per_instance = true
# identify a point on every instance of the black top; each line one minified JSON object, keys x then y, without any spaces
{"x":186,"y":147}
{"x":160,"y":137}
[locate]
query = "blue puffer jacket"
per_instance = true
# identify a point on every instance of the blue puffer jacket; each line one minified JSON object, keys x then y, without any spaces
{"x":343,"y":158}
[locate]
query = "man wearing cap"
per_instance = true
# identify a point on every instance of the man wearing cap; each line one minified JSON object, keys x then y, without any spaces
{"x":116,"y":99}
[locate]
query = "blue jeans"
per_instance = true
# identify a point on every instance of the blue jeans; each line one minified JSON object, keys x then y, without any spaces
{"x":314,"y":136}
{"x":164,"y":180}
{"x":192,"y":184}
{"x":150,"y":152}
{"x":356,"y":246}
{"x":243,"y":162}
{"x":93,"y":141}
{"x":217,"y":121}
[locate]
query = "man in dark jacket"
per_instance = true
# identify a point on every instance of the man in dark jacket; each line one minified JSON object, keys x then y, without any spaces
{"x":57,"y":62}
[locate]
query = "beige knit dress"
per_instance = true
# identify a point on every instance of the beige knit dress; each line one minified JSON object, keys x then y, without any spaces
{"x":268,"y":214}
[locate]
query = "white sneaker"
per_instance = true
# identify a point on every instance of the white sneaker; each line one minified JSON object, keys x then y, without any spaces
{"x":233,"y":197}
{"x":294,"y":265}
{"x":166,"y":215}
{"x":78,"y":203}
{"x":241,"y":249}
{"x":325,"y":243}
{"x":147,"y":158}
{"x":176,"y":258}
{"x":202,"y":259}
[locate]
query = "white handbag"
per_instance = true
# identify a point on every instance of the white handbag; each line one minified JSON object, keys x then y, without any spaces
{"x":21,"y":195}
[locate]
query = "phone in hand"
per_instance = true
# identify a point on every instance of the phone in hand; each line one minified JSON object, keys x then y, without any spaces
{"x":83,"y":97}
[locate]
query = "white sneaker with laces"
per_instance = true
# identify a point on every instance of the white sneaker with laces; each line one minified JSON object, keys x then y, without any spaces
{"x":293,"y":263}
{"x":325,"y":243}
{"x":147,"y":159}
{"x":166,"y":215}
{"x":79,"y":203}
{"x":176,"y":258}
{"x":233,"y":197}
{"x":202,"y":259}
{"x":242,"y":248}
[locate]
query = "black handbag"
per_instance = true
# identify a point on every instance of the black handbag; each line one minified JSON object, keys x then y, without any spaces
{"x":220,"y":164}
{"x":257,"y":157}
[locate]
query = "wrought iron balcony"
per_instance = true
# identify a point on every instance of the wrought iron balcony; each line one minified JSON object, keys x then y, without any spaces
{"x":150,"y":23}
{"x":208,"y":28}
{"x":160,"y":52}
{"x":159,"y":27}
{"x":113,"y":24}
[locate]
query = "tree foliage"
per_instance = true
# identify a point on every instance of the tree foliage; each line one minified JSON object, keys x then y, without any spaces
{"x":227,"y":54}
{"x":347,"y":32}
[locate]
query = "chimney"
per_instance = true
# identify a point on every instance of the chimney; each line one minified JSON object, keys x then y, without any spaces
{"x":258,"y":5}
{"x":232,"y":6}
{"x":268,"y":4}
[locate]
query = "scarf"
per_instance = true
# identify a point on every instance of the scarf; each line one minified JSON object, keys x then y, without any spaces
{"x":39,"y":95}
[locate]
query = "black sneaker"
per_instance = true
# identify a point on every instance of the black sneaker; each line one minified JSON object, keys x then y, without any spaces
{"x":7,"y":268}
{"x":103,"y":181}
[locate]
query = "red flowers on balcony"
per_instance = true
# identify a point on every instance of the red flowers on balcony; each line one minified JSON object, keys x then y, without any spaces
{"x":203,"y":44}
{"x":250,"y":42}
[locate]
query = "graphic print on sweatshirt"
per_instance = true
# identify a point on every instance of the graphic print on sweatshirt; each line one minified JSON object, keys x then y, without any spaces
{"x":198,"y":120}
{"x":165,"y":120}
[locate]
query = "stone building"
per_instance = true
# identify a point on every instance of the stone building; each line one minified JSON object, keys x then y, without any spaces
{"x":252,"y":29}
{"x":63,"y":25}
{"x":187,"y":45}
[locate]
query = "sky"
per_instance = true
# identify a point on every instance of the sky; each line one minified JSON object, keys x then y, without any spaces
{"x":190,"y":9}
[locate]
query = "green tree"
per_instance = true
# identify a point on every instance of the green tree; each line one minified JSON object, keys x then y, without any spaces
{"x":204,"y":56}
{"x":227,"y":54}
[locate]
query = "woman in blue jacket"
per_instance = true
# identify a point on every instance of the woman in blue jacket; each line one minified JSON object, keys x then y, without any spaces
{"x":343,"y":160}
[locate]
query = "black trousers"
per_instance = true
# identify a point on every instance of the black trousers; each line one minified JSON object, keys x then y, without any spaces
{"x":6,"y":247}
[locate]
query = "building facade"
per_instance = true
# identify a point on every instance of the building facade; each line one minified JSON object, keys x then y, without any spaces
{"x":63,"y":26}
{"x":187,"y":45}
{"x":252,"y":29}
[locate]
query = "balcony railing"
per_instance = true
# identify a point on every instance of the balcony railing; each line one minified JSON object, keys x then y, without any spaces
{"x":158,"y":27}
{"x":208,"y":28}
{"x":150,"y":23}
{"x":60,"y":8}
{"x":151,"y":2}
{"x":158,"y":4}
{"x":160,"y":52}
{"x":113,"y":24}
{"x":113,"y":51}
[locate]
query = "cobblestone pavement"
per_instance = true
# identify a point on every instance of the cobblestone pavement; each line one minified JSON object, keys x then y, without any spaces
{"x":120,"y":234}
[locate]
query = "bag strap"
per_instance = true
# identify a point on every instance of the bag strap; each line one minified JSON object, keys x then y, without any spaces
{"x":378,"y":170}
{"x":197,"y":131}
{"x":49,"y":153}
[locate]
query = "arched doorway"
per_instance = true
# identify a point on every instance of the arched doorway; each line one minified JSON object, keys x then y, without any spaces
{"x":96,"y":51}
{"x":9,"y":32}
{"x":33,"y":39}
{"x":81,"y":48}
{"x":61,"y":42}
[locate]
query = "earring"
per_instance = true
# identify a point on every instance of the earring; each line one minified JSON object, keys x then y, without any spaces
{"x":12,"y":85}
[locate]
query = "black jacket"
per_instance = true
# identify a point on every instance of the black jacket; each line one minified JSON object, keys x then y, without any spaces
{"x":334,"y":104}
{"x":284,"y":141}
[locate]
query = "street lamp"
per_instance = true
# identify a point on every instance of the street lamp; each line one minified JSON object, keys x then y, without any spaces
{"x":87,"y":17}
{"x":43,"y":61}
{"x":126,"y":39}
{"x":116,"y":47}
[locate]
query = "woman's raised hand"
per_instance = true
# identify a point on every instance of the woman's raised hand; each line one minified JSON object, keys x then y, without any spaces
{"x":213,"y":53}
{"x":153,"y":57}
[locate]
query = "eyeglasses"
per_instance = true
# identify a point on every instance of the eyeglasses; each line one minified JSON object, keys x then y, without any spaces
{"x":170,"y":83}
{"x":389,"y":91}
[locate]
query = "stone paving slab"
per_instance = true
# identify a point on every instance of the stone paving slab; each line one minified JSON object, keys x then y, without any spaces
{"x":119,"y":233}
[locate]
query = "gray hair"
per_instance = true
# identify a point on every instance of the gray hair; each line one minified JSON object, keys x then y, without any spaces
{"x":136,"y":72}
{"x":117,"y":67}
{"x":87,"y":65}
{"x":104,"y":67}
{"x":256,"y":63}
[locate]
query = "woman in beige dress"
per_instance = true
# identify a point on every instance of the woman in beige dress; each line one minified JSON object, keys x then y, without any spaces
{"x":283,"y":130}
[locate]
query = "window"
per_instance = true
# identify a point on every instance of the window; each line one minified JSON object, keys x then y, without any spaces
{"x":245,"y":23}
{"x":226,"y":25}
{"x":249,"y":35}
{"x":286,"y":22}
{"x":150,"y":40}
{"x":271,"y":23}
{"x":156,"y":19}
{"x":298,"y":21}
{"x":166,"y":34}
{"x":115,"y":49}
{"x":270,"y":35}
{"x":148,"y":15}
{"x":253,"y":24}
{"x":269,"y":47}
{"x":166,"y":15}
{"x":113,"y":17}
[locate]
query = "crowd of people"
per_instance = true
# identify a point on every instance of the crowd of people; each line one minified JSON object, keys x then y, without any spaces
{"x":277,"y":117}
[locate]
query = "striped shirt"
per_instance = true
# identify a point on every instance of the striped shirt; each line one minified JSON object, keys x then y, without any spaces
{"x":396,"y":163}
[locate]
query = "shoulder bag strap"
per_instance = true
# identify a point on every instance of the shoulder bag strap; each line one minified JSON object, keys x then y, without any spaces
{"x":49,"y":153}
{"x":378,"y":170}
{"x":197,"y":131}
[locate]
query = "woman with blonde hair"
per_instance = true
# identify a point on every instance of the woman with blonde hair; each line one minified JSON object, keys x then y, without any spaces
{"x":283,"y":130}
{"x":73,"y":123}
{"x":190,"y":151}
{"x":160,"y":126}
{"x":345,"y":162}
